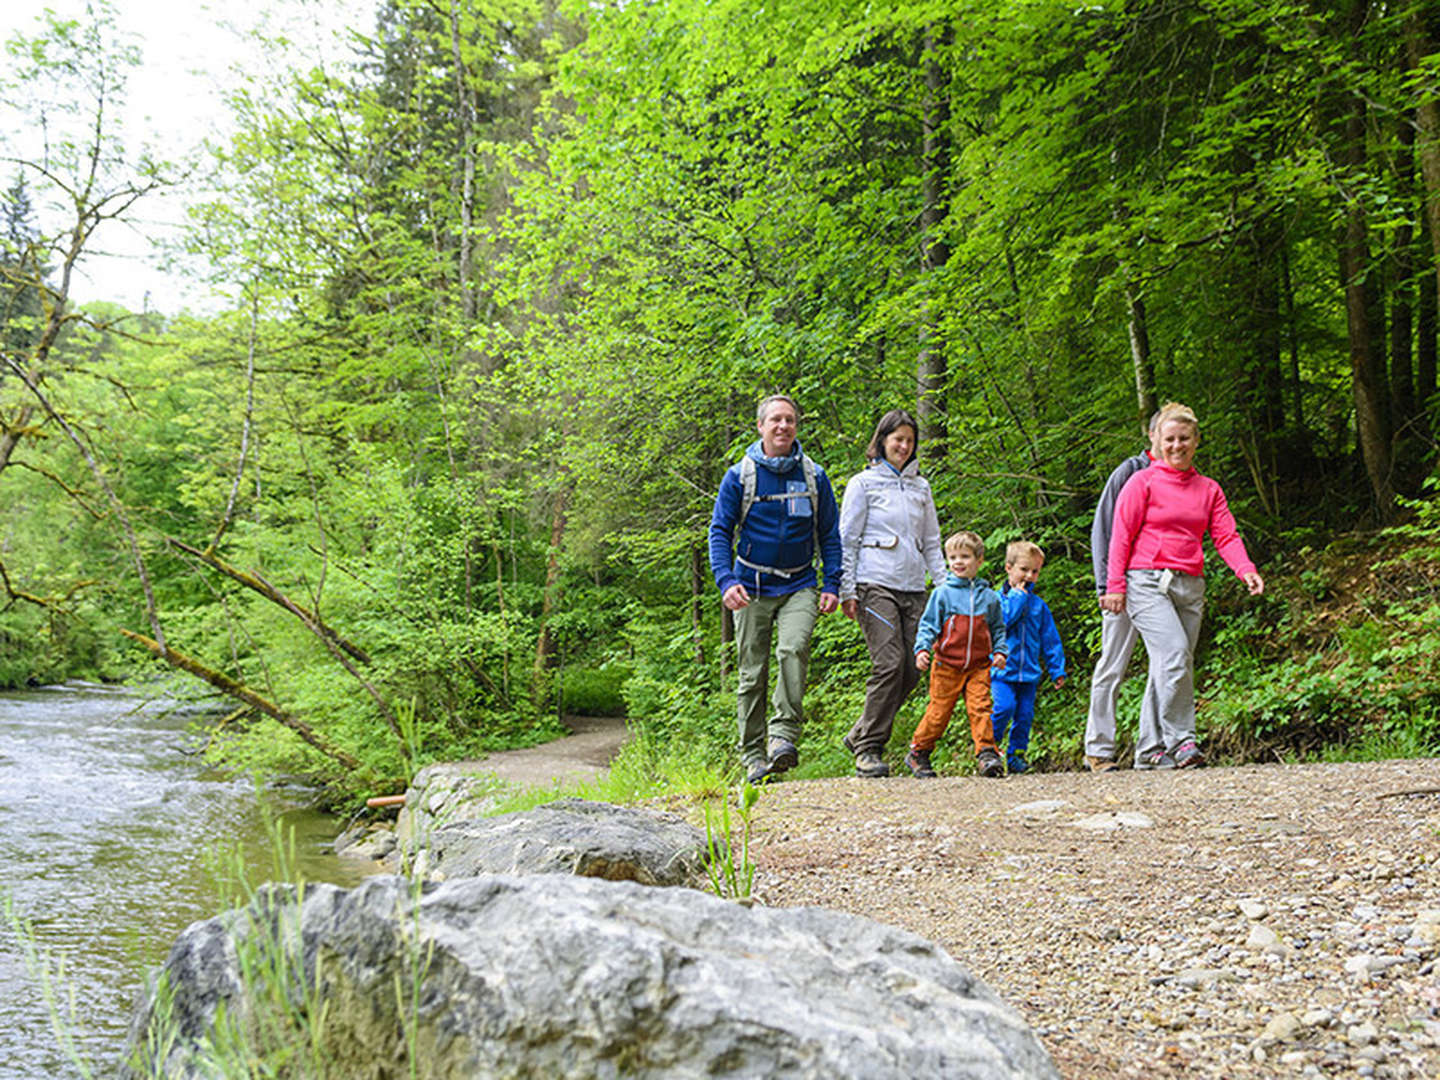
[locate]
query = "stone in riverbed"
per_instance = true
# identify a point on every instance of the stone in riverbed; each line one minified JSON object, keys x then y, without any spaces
{"x":558,"y":976}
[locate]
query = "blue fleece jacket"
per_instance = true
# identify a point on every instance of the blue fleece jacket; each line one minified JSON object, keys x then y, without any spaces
{"x":1032,"y":636}
{"x":778,"y":533}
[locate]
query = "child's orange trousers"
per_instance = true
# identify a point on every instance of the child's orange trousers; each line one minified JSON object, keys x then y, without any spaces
{"x":947,"y":684}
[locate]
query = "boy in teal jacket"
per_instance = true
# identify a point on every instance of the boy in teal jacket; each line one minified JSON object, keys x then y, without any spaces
{"x":961,"y":636}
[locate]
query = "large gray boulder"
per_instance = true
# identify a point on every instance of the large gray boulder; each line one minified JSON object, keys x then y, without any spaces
{"x":571,"y":836}
{"x":442,"y":793}
{"x":558,"y":976}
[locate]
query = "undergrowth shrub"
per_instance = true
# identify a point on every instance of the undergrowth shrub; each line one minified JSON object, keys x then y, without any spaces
{"x":593,"y":691}
{"x":1340,"y":658}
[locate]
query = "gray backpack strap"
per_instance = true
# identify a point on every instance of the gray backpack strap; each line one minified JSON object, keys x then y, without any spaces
{"x":747,"y":488}
{"x":812,"y":490}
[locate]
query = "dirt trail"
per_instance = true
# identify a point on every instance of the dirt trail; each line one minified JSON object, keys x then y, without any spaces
{"x":583,"y":755}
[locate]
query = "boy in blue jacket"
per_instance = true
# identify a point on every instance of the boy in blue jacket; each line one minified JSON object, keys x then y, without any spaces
{"x":1032,"y":637}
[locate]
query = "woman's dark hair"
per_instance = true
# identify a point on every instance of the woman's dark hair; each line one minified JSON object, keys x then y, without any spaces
{"x":895,"y":418}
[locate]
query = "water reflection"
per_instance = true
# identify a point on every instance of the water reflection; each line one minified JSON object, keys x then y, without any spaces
{"x":112,"y":835}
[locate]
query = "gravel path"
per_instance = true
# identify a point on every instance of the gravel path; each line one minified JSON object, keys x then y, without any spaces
{"x":1264,"y":921}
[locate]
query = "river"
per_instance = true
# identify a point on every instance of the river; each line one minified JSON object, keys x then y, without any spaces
{"x":110,"y":832}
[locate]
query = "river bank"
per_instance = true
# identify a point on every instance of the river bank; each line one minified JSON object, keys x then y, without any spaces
{"x":112,"y":832}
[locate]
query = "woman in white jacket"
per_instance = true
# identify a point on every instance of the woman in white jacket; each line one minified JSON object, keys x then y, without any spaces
{"x":890,"y":535}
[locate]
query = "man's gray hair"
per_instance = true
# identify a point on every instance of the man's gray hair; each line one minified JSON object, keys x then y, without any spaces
{"x":765,"y":403}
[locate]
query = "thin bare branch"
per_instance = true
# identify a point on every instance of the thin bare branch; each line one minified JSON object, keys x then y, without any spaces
{"x":245,"y":427}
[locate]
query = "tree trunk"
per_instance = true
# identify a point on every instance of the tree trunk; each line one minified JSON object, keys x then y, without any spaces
{"x":1402,"y":285}
{"x":464,"y":105}
{"x":1426,"y":325}
{"x":1145,"y":399}
{"x":546,"y":646}
{"x":1420,"y":44}
{"x":697,"y":594}
{"x":1366,"y":386}
{"x":932,"y":366}
{"x":1344,"y":117}
{"x":1292,"y":341}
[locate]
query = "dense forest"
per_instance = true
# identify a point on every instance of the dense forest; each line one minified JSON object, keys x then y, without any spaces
{"x":509,"y":281}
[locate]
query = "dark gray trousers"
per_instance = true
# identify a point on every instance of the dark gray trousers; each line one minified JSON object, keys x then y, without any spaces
{"x":890,"y":619}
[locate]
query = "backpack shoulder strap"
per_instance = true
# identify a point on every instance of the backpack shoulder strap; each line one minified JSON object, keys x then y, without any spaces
{"x":747,"y":488}
{"x":813,"y":491}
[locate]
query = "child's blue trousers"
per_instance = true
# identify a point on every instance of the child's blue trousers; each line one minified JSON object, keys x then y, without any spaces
{"x":1014,"y":709}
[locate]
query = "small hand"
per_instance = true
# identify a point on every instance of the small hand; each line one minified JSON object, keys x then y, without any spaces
{"x":736,"y":598}
{"x":850,"y":609}
{"x":1254,"y":582}
{"x":1059,"y":682}
{"x":1113,"y":602}
{"x":998,"y":661}
{"x":828,"y":602}
{"x":922,"y":659}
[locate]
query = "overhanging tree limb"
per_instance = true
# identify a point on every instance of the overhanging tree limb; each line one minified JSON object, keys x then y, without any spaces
{"x":258,"y":584}
{"x":337,"y":646}
{"x":241,"y":692}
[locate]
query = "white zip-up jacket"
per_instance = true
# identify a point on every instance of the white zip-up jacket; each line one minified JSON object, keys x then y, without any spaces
{"x":889,"y":532}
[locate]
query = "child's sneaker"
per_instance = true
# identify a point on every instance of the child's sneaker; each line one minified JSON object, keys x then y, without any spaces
{"x":1100,"y":764}
{"x":1015,"y":765}
{"x":757,"y":772}
{"x":1154,"y":759}
{"x":918,"y":762}
{"x":989,"y":764}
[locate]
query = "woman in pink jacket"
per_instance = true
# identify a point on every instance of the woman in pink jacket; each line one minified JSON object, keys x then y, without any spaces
{"x":1156,"y":569}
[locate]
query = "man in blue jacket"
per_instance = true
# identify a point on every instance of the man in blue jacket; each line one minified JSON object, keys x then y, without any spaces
{"x":784,"y":508}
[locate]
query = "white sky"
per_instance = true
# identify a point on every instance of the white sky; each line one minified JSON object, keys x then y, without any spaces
{"x":192,"y":53}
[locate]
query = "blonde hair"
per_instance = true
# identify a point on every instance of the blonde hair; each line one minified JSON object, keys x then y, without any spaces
{"x":1174,"y":410}
{"x":1019,"y":549}
{"x":965,"y":539}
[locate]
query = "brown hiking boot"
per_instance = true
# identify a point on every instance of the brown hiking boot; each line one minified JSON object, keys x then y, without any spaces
{"x":870,"y":765}
{"x":918,"y":762}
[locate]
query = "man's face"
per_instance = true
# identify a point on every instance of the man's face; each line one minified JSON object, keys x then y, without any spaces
{"x":963,"y":562}
{"x":777,"y":429}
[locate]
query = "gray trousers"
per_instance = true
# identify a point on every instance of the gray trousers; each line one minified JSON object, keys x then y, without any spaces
{"x":890,"y":619}
{"x":788,"y":621}
{"x":1117,"y":641}
{"x":1166,"y":607}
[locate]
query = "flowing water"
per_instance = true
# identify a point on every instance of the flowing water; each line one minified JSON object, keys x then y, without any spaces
{"x":111,"y":831}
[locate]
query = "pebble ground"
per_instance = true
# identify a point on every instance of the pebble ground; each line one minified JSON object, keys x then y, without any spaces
{"x":1262,"y":921}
